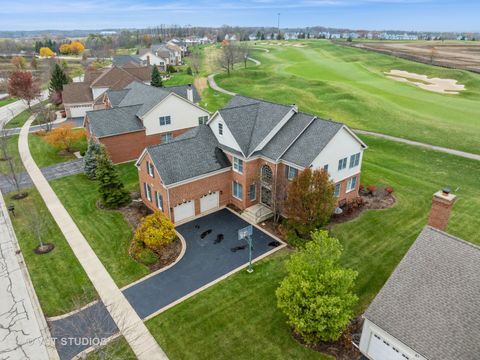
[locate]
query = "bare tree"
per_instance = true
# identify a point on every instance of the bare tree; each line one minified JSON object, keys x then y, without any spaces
{"x":45,"y":115}
{"x":12,"y":167}
{"x":228,"y":55}
{"x":196,"y":61}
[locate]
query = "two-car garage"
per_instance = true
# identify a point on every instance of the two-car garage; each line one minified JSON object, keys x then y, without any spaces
{"x":186,"y":210}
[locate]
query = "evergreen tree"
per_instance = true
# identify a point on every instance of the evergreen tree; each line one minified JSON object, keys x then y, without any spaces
{"x":189,"y":71}
{"x":58,"y":79}
{"x":90,"y":159}
{"x":156,"y":77}
{"x":112,"y":193}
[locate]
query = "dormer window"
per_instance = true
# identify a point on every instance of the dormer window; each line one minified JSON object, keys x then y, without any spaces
{"x":220,"y":128}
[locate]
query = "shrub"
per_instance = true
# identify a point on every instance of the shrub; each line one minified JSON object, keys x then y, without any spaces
{"x":155,"y":231}
{"x":113,"y":194}
{"x":64,"y":137}
{"x":142,"y":254}
{"x":389,"y":190}
{"x":189,"y":71}
{"x":371,"y":189}
{"x":171,"y":69}
{"x":316,"y":295}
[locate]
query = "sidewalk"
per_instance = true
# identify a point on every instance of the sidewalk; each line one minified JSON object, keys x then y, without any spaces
{"x":131,"y":326}
{"x":24,"y":332}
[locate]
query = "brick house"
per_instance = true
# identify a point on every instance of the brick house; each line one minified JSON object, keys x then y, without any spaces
{"x":245,"y":156}
{"x":141,"y":115}
{"x":80,"y":97}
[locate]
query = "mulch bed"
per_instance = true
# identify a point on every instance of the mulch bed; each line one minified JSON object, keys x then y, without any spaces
{"x":19,"y":196}
{"x":342,"y":349}
{"x":380,"y":199}
{"x":167,"y":255}
{"x":44,"y":249}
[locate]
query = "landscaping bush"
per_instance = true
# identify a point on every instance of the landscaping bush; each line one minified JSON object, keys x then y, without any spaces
{"x":171,"y":69}
{"x":389,"y":190}
{"x":316,"y":295}
{"x":189,"y":71}
{"x":155,"y":231}
{"x":142,"y":254}
{"x":371,"y":189}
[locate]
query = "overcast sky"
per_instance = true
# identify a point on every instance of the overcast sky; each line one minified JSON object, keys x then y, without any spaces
{"x":433,"y":15}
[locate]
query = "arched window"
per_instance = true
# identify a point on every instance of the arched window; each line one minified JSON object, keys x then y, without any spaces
{"x":267,"y":175}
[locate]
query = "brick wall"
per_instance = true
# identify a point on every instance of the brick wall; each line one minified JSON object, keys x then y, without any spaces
{"x":191,"y":191}
{"x":346,"y":196}
{"x":128,"y":147}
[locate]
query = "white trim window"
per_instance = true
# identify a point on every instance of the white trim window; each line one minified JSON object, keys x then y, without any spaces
{"x":166,"y":137}
{"x":238,"y":165}
{"x":159,"y":200}
{"x":252,"y":192}
{"x":336,"y":193}
{"x":165,"y":120}
{"x":291,"y":172}
{"x":351,"y":184}
{"x":220,"y":128}
{"x":237,"y":190}
{"x":354,"y":160}
{"x":150,"y":169}
{"x":148,"y":191}
{"x":202,"y":120}
{"x":342,"y":164}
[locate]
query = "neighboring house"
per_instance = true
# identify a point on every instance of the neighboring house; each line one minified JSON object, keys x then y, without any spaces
{"x":141,"y":115}
{"x":122,"y":60}
{"x":150,"y":58}
{"x":245,"y":156}
{"x":429,"y":307}
{"x":80,"y":97}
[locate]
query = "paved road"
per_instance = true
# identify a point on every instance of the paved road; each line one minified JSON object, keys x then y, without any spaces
{"x":142,"y":343}
{"x":51,"y":172}
{"x":419,"y":144}
{"x":76,"y":122}
{"x":23,"y":331}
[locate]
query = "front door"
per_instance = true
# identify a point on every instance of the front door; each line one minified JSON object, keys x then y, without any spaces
{"x":266,"y":196}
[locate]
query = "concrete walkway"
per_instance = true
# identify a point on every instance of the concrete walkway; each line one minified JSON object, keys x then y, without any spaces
{"x":214,"y":86}
{"x":127,"y":320}
{"x":24,"y":332}
{"x":419,"y":144}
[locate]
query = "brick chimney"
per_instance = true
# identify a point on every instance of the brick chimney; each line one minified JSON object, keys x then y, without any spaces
{"x":442,"y":204}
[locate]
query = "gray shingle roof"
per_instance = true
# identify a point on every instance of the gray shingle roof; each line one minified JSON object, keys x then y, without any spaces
{"x":149,"y":96}
{"x":251,"y":120}
{"x":192,"y":154}
{"x":114,"y":121}
{"x":287,"y":134}
{"x":431,"y":301}
{"x":121,"y":60}
{"x":311,"y":142}
{"x":116,"y":96}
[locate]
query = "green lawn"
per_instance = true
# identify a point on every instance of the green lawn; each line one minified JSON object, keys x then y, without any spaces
{"x":106,"y":231}
{"x":238,"y":319}
{"x":179,"y":78}
{"x":19,"y":120}
{"x":45,"y":154}
{"x":12,"y":145}
{"x":57,"y":277}
{"x":213,"y":100}
{"x":7,"y":101}
{"x":349,"y":85}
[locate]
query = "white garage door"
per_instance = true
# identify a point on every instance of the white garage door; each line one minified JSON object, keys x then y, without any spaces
{"x":184,"y":211}
{"x":80,"y":110}
{"x":382,"y":349}
{"x":209,"y":201}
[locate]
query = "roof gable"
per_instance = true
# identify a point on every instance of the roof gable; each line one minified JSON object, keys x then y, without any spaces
{"x":114,"y":121}
{"x":430,"y":302}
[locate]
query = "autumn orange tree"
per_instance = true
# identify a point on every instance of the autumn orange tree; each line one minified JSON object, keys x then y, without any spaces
{"x":310,"y":201}
{"x":63,"y":137}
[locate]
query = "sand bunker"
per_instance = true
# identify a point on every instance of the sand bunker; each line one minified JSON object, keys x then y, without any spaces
{"x":444,"y":86}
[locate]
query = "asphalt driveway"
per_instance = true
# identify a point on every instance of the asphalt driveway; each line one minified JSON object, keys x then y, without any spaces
{"x":205,"y":260}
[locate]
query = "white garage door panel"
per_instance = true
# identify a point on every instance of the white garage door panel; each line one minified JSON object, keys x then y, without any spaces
{"x":184,"y":211}
{"x":209,"y":202}
{"x":79,"y":111}
{"x":380,"y":349}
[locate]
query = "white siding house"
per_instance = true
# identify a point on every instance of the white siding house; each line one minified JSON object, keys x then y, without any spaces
{"x":226,"y":138}
{"x":183,"y":114}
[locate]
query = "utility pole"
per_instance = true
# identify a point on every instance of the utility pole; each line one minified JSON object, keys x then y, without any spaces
{"x":278,"y":24}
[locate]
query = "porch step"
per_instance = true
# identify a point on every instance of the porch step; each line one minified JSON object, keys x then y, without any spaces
{"x":257,"y":213}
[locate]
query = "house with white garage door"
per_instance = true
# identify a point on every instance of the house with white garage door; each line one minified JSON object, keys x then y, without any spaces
{"x":245,"y":156}
{"x":429,"y":307}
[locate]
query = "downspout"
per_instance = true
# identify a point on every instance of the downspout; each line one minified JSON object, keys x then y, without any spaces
{"x":275,"y":194}
{"x":168,"y":200}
